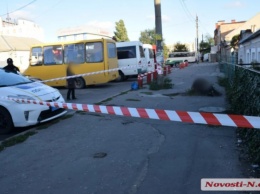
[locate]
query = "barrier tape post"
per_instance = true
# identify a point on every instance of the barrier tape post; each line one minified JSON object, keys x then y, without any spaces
{"x":168,"y":115}
{"x":164,"y":71}
{"x":169,"y":69}
{"x":149,"y":75}
{"x":182,"y":65}
{"x":140,"y":81}
{"x":155,"y":73}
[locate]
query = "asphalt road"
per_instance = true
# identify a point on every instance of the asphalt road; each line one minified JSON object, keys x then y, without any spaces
{"x":95,"y":153}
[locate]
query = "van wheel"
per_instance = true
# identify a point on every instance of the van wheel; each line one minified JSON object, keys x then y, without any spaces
{"x":80,"y":83}
{"x":121,"y":76}
{"x":6,"y":122}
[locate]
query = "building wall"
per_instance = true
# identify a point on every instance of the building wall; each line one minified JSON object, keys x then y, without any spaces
{"x":20,"y":59}
{"x":222,"y":29}
{"x":82,"y":33}
{"x":21,"y":28}
{"x":253,"y":24}
{"x":249,"y":51}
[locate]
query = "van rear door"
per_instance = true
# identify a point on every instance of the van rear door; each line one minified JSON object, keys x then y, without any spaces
{"x":127,"y":59}
{"x":142,"y":62}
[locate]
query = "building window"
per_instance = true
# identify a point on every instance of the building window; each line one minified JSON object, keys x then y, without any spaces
{"x":253,"y":57}
{"x":247,"y":58}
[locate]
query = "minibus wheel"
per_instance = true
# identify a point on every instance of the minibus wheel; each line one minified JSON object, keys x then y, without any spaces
{"x":6,"y":122}
{"x":121,"y":76}
{"x":80,"y":83}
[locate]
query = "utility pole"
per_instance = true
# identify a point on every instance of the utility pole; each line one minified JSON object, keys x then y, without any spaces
{"x":197,"y":37}
{"x":8,"y":19}
{"x":158,"y":25}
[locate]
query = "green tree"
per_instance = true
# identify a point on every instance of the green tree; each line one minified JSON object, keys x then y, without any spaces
{"x":149,"y":36}
{"x":234,"y":41}
{"x":121,"y":32}
{"x":205,"y":45}
{"x":165,"y":51}
{"x":178,"y":47}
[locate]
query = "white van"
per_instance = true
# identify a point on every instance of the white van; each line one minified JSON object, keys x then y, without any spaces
{"x":130,"y":54}
{"x":206,"y":57}
{"x":149,"y":55}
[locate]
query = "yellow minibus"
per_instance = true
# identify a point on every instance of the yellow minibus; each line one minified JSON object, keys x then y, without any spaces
{"x":49,"y":61}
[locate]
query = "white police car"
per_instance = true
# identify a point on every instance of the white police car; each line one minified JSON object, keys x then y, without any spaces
{"x":16,"y":114}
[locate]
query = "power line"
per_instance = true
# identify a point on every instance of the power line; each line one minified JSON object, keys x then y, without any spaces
{"x":186,"y":10}
{"x":49,"y":9}
{"x":204,"y":27}
{"x":20,"y":8}
{"x":190,"y":15}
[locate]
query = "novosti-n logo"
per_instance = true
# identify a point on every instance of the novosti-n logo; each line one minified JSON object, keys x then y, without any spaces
{"x":226,"y":184}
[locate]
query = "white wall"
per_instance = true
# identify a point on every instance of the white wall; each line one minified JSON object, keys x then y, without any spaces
{"x":250,"y":51}
{"x":23,"y":28}
{"x":20,"y":59}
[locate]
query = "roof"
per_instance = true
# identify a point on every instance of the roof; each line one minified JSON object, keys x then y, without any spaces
{"x":247,"y":25}
{"x":252,"y":36}
{"x":13,"y":43}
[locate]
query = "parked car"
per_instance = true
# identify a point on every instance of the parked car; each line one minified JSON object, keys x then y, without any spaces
{"x":16,"y":114}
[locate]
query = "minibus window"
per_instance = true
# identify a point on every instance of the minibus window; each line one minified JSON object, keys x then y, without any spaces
{"x":111,"y":49}
{"x":36,"y":56}
{"x":94,"y":52}
{"x":53,"y":55}
{"x":74,"y":53}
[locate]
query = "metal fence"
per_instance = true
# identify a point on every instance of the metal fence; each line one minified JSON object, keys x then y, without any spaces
{"x":229,"y":65}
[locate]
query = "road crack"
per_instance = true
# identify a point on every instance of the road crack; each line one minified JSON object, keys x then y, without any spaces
{"x":145,"y":166}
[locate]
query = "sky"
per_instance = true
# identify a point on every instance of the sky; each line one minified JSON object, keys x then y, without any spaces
{"x":178,"y":16}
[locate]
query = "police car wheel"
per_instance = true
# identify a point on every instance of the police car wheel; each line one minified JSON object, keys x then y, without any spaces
{"x":6,"y":122}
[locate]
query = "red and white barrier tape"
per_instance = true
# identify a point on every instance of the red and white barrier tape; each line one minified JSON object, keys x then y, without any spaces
{"x":90,"y":73}
{"x":168,"y":115}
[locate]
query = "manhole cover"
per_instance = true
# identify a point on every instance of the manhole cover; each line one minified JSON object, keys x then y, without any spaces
{"x":100,"y":155}
{"x":212,"y":109}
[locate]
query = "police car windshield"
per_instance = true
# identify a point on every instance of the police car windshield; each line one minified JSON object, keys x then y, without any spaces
{"x":8,"y":79}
